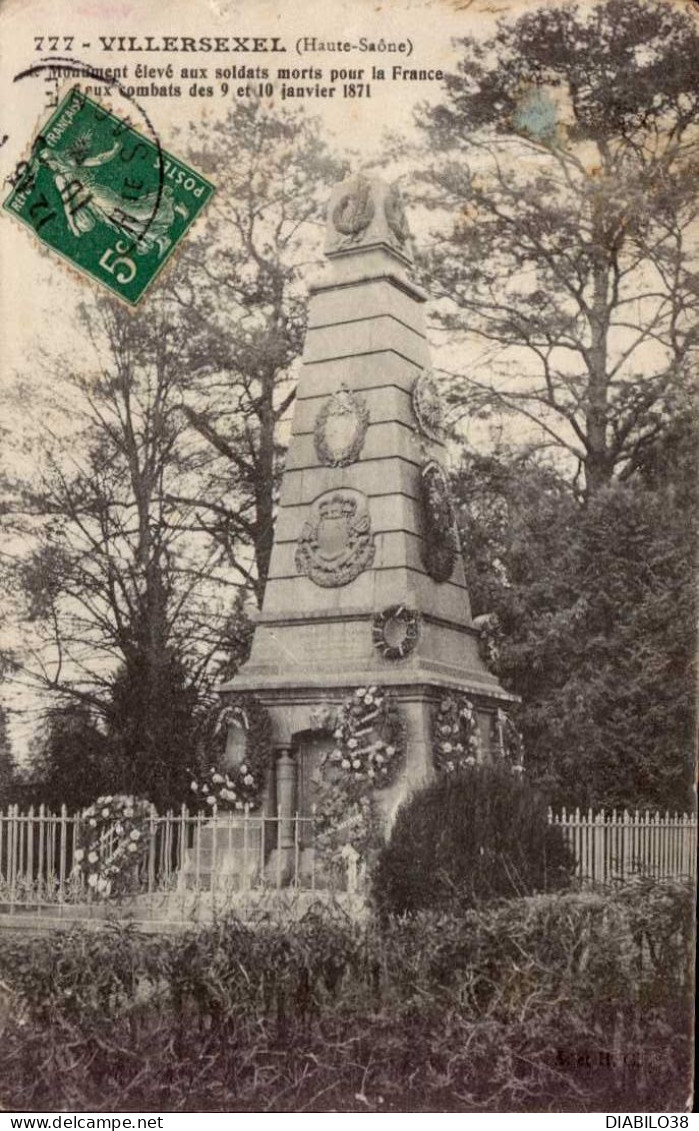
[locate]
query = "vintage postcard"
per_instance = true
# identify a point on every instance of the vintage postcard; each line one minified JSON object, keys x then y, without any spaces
{"x":347,"y":557}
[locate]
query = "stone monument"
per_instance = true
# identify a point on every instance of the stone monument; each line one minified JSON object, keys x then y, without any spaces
{"x":366,"y":583}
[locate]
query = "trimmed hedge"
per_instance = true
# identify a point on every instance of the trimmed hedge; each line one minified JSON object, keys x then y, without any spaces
{"x":567,"y":1002}
{"x":469,"y":837}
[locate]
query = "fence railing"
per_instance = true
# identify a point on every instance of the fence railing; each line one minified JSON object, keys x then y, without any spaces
{"x":616,"y":846}
{"x":185,"y":856}
{"x":194,"y":856}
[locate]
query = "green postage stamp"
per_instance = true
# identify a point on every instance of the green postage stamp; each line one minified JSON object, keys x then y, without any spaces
{"x":106,"y":197}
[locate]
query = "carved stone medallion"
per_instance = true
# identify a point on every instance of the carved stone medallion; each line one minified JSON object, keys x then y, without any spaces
{"x":395,"y":216}
{"x":340,"y":428}
{"x":354,"y":211}
{"x":427,"y":406}
{"x":323,"y":717}
{"x":440,"y":540}
{"x":336,"y":543}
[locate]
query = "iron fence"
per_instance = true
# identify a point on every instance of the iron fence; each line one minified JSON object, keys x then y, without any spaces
{"x":615,"y":846}
{"x":196,"y":861}
{"x":188,"y":861}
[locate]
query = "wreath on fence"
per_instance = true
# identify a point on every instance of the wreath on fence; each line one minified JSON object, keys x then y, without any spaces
{"x":113,"y":841}
{"x":242,"y":785}
{"x":456,"y":742}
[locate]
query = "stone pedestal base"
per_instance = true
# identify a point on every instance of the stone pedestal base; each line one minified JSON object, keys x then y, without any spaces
{"x":224,"y":854}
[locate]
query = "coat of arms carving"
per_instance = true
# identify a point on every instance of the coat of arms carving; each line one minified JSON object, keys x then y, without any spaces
{"x":427,"y":406}
{"x":340,"y":428}
{"x":336,"y":543}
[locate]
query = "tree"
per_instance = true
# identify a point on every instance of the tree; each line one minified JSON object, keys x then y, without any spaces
{"x":8,"y":769}
{"x":242,"y":305}
{"x":154,"y":507}
{"x":127,"y":603}
{"x":567,"y":151}
{"x":596,"y":608}
{"x":68,"y":761}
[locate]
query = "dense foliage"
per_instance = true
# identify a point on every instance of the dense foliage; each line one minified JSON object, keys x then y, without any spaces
{"x":596,"y":606}
{"x":573,"y":1002}
{"x":469,"y":837}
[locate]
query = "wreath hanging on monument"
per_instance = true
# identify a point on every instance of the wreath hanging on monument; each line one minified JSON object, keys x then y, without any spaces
{"x":113,"y":840}
{"x":440,"y":541}
{"x":368,"y":750}
{"x":456,"y":742}
{"x":396,"y":631}
{"x":369,"y":739}
{"x":240,"y":786}
{"x":490,"y":636}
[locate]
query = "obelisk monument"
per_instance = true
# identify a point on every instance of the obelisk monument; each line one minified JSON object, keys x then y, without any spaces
{"x":366,"y":582}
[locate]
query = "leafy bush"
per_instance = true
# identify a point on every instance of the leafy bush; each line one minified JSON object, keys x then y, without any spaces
{"x":564,"y":1002}
{"x":478,"y":834}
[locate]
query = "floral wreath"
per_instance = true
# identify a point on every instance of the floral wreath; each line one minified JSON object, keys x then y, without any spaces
{"x":489,"y":637}
{"x":369,"y":747}
{"x":508,"y":741}
{"x":440,"y":540}
{"x":369,"y":739}
{"x":240,"y":786}
{"x":340,"y":822}
{"x":398,"y":615}
{"x":456,"y":742}
{"x":113,"y":840}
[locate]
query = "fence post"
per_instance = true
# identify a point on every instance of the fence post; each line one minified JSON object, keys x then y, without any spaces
{"x":625,"y":844}
{"x":262,"y":847}
{"x":42,"y":838}
{"x":279,"y":846}
{"x":600,"y":838}
{"x":244,"y":885}
{"x":21,"y":828}
{"x":181,"y":839}
{"x":151,"y":853}
{"x":12,"y":852}
{"x":62,"y":853}
{"x":197,"y":852}
{"x":296,"y":850}
{"x":30,"y":849}
{"x":212,"y":873}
